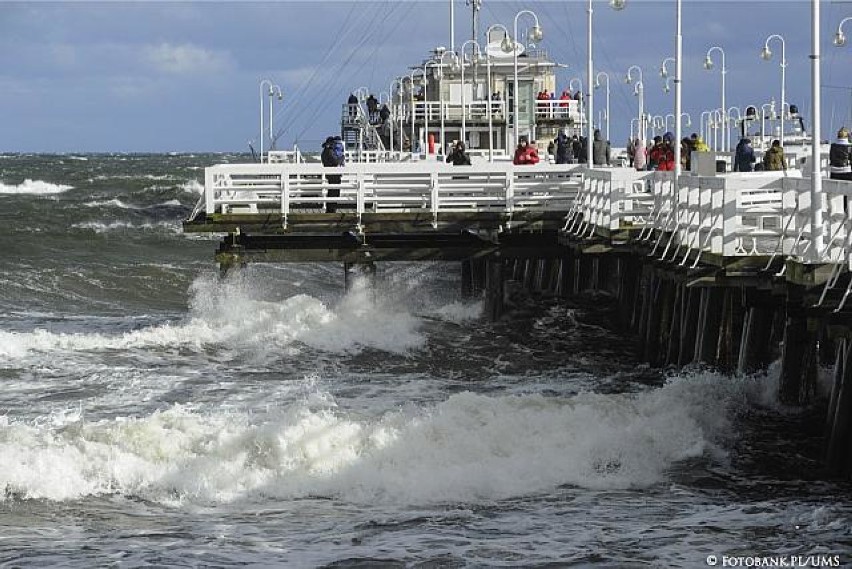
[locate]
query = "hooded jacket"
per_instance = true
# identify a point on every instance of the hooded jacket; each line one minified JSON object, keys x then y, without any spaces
{"x":774,"y":159}
{"x":839,"y":157}
{"x":744,"y":158}
{"x":600,"y":150}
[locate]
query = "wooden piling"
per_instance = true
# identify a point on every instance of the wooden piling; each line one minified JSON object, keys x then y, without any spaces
{"x":494,"y":287}
{"x":839,"y":447}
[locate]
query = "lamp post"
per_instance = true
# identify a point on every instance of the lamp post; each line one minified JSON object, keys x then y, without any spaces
{"x":597,"y":86}
{"x":579,"y":83}
{"x":840,"y":37}
{"x":664,"y":73}
{"x":411,"y":92}
{"x":273,"y":89}
{"x":441,"y":95}
{"x":506,"y":46}
{"x":763,"y":113}
{"x":739,"y":118}
{"x":425,"y":102}
{"x":473,"y":57}
{"x":270,"y":85}
{"x":393,"y":115}
{"x":535,"y":35}
{"x":702,"y":125}
{"x":766,"y":54}
{"x":708,"y":65}
{"x":639,"y":91}
{"x":616,"y":5}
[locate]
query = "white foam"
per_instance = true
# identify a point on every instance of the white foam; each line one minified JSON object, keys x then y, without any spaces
{"x":117,"y":226}
{"x":469,"y":448}
{"x":193,"y":187}
{"x":115,"y":202}
{"x":228,"y":313}
{"x":37,"y":187}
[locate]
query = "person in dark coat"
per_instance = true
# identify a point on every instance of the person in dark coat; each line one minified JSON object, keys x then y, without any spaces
{"x":458,"y":156}
{"x":600,"y":150}
{"x":333,"y":157}
{"x":744,"y":156}
{"x":840,"y":157}
{"x":353,"y":104}
{"x":384,"y":114}
{"x":562,"y":145}
{"x":372,"y":108}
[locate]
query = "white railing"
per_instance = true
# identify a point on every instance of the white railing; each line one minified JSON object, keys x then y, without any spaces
{"x":613,"y":199}
{"x":473,"y":110}
{"x":759,"y":214}
{"x":559,"y":109}
{"x":435,"y":187}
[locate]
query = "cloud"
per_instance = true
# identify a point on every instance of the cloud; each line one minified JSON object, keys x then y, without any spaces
{"x":186,"y":58}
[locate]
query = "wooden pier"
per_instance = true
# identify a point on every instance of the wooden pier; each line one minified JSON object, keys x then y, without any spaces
{"x":720,"y":269}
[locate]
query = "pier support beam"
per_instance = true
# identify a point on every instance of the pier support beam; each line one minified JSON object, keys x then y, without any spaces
{"x":494,"y":287}
{"x":472,"y":277}
{"x":709,"y":323}
{"x":351,"y":271}
{"x":839,"y":421}
{"x":798,"y":359}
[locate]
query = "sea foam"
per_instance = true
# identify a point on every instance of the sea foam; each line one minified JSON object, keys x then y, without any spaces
{"x":36,"y":187}
{"x":469,"y":448}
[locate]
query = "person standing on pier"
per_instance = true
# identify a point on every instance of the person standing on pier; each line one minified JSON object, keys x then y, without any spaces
{"x":458,"y":156}
{"x":744,"y":157}
{"x":353,"y":105}
{"x":564,"y":153}
{"x":840,"y":157}
{"x":526,"y":154}
{"x":774,"y":157}
{"x":372,"y":107}
{"x":640,"y":156}
{"x":600,"y":150}
{"x":333,"y":156}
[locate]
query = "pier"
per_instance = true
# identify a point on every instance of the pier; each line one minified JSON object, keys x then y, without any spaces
{"x":719,"y":269}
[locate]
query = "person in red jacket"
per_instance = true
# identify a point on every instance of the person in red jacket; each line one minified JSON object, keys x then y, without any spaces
{"x":666,"y":160}
{"x":525,"y":154}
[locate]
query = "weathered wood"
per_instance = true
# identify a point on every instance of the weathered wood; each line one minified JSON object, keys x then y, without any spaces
{"x":494,"y":288}
{"x":689,"y":326}
{"x":839,"y":447}
{"x":710,"y":323}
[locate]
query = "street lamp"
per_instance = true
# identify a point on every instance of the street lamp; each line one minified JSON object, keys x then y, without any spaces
{"x":411,"y":93}
{"x":453,"y":64}
{"x":708,"y":65}
{"x":425,"y":102}
{"x":839,"y":37}
{"x":597,"y":86}
{"x":536,"y":34}
{"x":579,"y":83}
{"x":639,"y":91}
{"x":506,"y":46}
{"x":738,"y":119}
{"x":664,"y":71}
{"x":616,"y":5}
{"x":271,"y":92}
{"x":474,"y":56}
{"x":767,"y":55}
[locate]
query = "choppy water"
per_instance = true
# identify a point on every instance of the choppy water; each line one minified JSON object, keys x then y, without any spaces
{"x":154,"y":415}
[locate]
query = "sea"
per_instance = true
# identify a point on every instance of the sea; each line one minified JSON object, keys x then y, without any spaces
{"x":154,"y":414}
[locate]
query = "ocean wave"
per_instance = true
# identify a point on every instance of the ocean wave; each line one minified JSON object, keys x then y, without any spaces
{"x":115,"y":202}
{"x":36,"y":187}
{"x":193,"y":187}
{"x":172,"y":227}
{"x":468,"y":448}
{"x":229,"y":314}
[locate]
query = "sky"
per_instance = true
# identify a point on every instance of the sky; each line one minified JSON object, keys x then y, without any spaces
{"x":184,"y":76}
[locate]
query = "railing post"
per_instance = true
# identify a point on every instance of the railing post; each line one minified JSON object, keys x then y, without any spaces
{"x":209,"y":191}
{"x":359,"y":197}
{"x":729,"y":221}
{"x":510,"y":190}
{"x":285,"y":198}
{"x":434,"y":197}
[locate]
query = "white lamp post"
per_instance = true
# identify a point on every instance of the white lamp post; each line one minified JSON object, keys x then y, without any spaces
{"x":536,"y":34}
{"x":269,"y":84}
{"x":579,"y":83}
{"x":273,"y":90}
{"x":441,"y":96}
{"x":766,"y":54}
{"x":411,"y":92}
{"x":708,"y":65}
{"x":840,"y":37}
{"x":664,"y":73}
{"x":426,"y":102}
{"x":639,"y":91}
{"x":731,"y":119}
{"x":616,"y":5}
{"x":473,"y":57}
{"x":597,"y":86}
{"x":506,"y":46}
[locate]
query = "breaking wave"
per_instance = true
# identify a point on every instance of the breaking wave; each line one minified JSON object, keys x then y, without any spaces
{"x":36,"y":187}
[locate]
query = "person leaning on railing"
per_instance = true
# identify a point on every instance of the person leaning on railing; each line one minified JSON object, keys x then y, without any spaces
{"x":840,"y":157}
